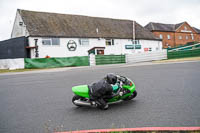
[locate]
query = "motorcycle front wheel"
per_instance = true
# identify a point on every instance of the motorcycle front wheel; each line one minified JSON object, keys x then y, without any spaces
{"x":131,"y":96}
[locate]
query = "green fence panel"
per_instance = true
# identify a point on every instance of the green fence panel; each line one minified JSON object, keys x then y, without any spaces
{"x":182,"y":46}
{"x":182,"y":54}
{"x":56,"y":62}
{"x":109,"y":59}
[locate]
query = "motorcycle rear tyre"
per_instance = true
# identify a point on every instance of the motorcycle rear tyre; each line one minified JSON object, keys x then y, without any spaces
{"x":76,"y":97}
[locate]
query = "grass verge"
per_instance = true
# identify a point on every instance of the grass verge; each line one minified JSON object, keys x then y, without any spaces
{"x":18,"y":70}
{"x":179,"y":59}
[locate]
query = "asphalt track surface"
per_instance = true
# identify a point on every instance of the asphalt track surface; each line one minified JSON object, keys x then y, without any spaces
{"x":168,"y":96}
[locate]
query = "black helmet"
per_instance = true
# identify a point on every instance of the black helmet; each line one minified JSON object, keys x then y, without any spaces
{"x":111,"y":78}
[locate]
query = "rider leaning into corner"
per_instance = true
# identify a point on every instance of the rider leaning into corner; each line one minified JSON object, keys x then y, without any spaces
{"x":102,"y":89}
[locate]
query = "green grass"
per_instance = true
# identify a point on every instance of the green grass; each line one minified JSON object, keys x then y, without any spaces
{"x":18,"y":70}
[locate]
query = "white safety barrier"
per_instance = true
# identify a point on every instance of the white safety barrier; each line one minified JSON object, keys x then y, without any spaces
{"x":12,"y":64}
{"x":92,"y":60}
{"x":146,"y":56}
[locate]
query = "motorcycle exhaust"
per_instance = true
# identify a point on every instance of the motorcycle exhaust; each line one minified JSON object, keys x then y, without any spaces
{"x":116,"y":102}
{"x":82,"y":103}
{"x":87,"y":104}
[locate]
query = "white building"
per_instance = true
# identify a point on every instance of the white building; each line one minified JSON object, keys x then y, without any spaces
{"x":62,"y":35}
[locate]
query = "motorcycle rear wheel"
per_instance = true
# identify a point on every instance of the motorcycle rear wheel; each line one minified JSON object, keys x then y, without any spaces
{"x":76,"y":97}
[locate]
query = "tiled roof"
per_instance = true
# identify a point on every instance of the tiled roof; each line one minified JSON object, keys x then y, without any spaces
{"x":165,"y":27}
{"x":197,"y":30}
{"x":64,"y":25}
{"x":162,"y":27}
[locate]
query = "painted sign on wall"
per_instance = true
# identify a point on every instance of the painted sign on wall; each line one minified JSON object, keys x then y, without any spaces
{"x":129,"y":46}
{"x":137,"y":46}
{"x":133,"y":46}
{"x":146,"y":49}
{"x":71,"y":45}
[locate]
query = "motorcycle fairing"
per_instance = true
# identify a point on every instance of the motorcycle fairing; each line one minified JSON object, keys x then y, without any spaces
{"x":81,"y":90}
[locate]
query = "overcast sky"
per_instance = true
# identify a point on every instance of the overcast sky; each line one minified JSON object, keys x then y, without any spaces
{"x":142,"y":11}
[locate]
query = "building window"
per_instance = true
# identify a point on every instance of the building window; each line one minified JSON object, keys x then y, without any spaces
{"x":192,"y":36}
{"x":109,"y":42}
{"x":84,"y":42}
{"x":135,"y":41}
{"x":20,"y":23}
{"x":168,"y":37}
{"x":46,"y":41}
{"x":157,"y":48}
{"x":161,"y":37}
{"x":51,"y":41}
{"x":179,"y":37}
{"x":186,"y":37}
{"x":55,"y":41}
{"x":185,"y":28}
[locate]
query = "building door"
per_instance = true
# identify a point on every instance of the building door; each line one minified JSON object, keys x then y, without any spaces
{"x":100,"y":52}
{"x":28,"y":53}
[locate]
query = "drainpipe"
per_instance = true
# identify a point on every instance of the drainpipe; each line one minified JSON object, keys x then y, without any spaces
{"x":134,"y":35}
{"x":36,"y":48}
{"x":174,"y":39}
{"x":133,"y":30}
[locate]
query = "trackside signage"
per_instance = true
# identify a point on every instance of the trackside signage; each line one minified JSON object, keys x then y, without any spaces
{"x":133,"y":46}
{"x":129,"y":46}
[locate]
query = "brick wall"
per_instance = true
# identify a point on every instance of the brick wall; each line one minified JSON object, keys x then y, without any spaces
{"x":175,"y":39}
{"x":180,"y":37}
{"x":165,"y":41}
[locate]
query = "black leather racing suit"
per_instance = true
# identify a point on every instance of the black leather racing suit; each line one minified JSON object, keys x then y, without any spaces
{"x":99,"y":90}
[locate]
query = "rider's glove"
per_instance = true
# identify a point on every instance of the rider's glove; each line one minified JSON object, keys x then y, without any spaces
{"x":121,"y":93}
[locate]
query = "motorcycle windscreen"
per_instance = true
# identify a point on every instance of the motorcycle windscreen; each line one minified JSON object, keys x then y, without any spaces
{"x":81,"y":90}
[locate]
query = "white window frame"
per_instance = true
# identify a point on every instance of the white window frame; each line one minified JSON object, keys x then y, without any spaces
{"x":180,"y":37}
{"x":168,"y":37}
{"x":161,"y":36}
{"x":186,"y":37}
{"x":185,"y":27}
{"x":84,"y":42}
{"x":135,"y":41}
{"x":51,"y":42}
{"x":109,"y":42}
{"x":57,"y":40}
{"x":192,"y":36}
{"x":45,"y":40}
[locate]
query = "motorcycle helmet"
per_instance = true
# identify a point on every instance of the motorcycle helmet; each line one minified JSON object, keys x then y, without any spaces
{"x":111,"y":78}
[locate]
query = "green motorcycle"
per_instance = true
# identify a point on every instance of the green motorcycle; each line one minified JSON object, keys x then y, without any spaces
{"x":124,"y":90}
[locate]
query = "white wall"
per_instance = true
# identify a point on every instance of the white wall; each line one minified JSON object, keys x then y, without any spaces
{"x":62,"y":50}
{"x":12,"y":63}
{"x":146,"y":56}
{"x":18,"y":30}
{"x":153,"y":44}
